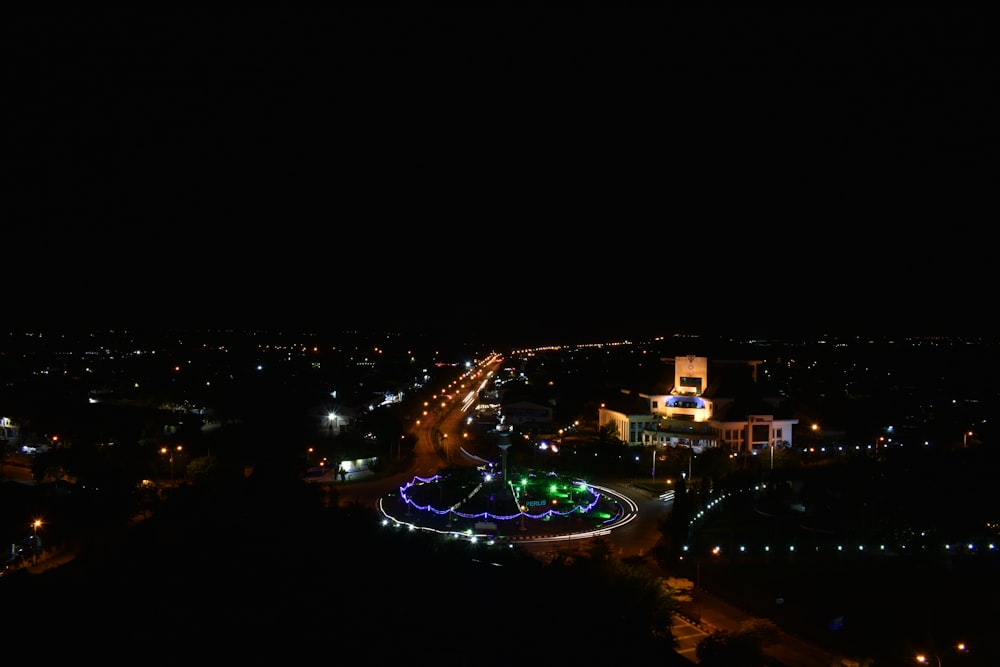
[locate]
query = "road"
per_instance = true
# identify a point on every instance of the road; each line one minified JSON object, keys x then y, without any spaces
{"x":16,"y":467}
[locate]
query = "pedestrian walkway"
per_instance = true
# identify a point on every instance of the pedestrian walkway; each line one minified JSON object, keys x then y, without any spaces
{"x":46,"y":560}
{"x":713,"y":614}
{"x":51,"y":559}
{"x":709,"y":613}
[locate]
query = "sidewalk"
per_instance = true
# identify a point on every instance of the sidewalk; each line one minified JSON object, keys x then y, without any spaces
{"x":48,"y":559}
{"x":714,"y":614}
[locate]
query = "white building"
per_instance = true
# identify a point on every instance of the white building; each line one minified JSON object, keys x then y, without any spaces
{"x":694,"y":412}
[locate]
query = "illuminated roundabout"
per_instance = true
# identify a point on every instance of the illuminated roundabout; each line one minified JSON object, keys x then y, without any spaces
{"x":477,"y":503}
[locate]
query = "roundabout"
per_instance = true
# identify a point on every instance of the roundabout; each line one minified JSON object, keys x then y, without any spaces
{"x":480,"y":503}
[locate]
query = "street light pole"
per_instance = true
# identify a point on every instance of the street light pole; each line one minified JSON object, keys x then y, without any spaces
{"x":164,"y":450}
{"x":34,"y":540}
{"x":965,"y":439}
{"x":697,"y":584}
{"x":503,"y":457}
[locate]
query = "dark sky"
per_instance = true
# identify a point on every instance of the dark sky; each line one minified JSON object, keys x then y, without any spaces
{"x":615,"y":171}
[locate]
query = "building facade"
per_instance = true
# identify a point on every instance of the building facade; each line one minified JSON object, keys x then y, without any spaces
{"x":696,"y":413}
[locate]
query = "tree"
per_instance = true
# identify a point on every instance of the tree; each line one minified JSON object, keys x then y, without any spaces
{"x":763,"y":629}
{"x":201,"y":468}
{"x":679,"y":588}
{"x":728,"y":649}
{"x":43,"y":465}
{"x":387,"y":424}
{"x":607,"y":436}
{"x":599,"y":548}
{"x":715,"y":464}
{"x":743,"y":647}
{"x":637,"y":608}
{"x":675,"y":527}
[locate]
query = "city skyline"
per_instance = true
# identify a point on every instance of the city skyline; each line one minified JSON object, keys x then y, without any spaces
{"x":219,"y":549}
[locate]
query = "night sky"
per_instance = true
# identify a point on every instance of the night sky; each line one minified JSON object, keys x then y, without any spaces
{"x":500,"y":172}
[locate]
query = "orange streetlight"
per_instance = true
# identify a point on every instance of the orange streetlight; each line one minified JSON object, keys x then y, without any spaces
{"x":35,"y":525}
{"x":925,"y":658}
{"x":165,"y":450}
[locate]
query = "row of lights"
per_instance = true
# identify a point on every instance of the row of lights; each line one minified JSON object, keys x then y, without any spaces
{"x":969,"y":547}
{"x":922,"y":658}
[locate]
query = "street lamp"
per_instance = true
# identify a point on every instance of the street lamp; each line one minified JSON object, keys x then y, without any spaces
{"x":965,"y":439}
{"x":925,"y":659}
{"x":165,"y":450}
{"x":35,"y":525}
{"x":503,"y":458}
